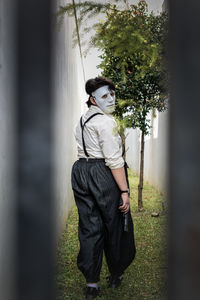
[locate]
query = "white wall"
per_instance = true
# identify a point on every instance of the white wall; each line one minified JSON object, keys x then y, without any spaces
{"x":155,"y":154}
{"x":133,"y":149}
{"x":68,"y":91}
{"x":7,"y":149}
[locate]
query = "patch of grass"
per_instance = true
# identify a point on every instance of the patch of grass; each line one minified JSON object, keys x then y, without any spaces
{"x":145,"y":278}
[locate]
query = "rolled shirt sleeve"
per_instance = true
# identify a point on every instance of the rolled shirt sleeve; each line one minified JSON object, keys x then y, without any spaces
{"x":110,"y":143}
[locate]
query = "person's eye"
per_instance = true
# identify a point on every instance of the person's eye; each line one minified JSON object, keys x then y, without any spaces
{"x":104,"y":96}
{"x":112,"y":94}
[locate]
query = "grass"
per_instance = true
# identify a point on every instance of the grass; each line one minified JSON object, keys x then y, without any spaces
{"x":145,"y":278}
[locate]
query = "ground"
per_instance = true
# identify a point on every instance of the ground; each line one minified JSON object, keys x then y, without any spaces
{"x":146,"y":277}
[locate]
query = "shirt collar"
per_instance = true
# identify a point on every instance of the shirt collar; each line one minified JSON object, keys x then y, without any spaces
{"x":95,"y":109}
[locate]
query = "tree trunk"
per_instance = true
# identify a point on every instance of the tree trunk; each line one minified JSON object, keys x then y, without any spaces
{"x":140,"y":186}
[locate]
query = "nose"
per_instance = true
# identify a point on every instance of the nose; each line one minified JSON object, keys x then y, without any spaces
{"x":110,"y":98}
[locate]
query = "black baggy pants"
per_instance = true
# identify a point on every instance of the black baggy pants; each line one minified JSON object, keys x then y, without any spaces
{"x":100,"y":221}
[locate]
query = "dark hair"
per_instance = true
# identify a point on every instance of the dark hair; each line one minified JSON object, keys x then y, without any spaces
{"x":95,"y":83}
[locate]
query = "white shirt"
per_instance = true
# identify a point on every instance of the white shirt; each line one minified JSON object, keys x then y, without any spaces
{"x":101,"y":138}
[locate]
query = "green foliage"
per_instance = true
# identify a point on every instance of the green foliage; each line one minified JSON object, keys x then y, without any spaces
{"x":133,"y":56}
{"x":133,"y":44}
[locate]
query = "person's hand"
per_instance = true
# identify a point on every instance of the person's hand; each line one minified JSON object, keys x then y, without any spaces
{"x":126,"y":203}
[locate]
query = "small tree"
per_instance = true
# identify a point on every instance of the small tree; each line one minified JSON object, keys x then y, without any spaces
{"x":133,"y":47}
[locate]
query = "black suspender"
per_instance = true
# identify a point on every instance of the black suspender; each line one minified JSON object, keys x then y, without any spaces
{"x":82,"y":127}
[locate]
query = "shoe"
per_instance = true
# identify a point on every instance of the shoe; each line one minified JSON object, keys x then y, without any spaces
{"x":114,"y":281}
{"x":91,"y":292}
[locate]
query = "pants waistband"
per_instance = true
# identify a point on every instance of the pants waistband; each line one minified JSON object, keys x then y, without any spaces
{"x":92,"y":159}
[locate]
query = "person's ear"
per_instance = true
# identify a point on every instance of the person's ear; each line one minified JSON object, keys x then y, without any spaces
{"x":92,"y":101}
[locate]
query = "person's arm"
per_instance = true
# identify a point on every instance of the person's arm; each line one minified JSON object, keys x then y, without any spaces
{"x":120,"y":178}
{"x":109,"y":141}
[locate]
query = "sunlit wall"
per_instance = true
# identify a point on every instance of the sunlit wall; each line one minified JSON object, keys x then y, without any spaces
{"x":67,"y":96}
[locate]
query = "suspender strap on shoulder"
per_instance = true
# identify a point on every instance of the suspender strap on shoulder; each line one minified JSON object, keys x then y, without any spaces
{"x":83,"y":141}
{"x":82,"y":127}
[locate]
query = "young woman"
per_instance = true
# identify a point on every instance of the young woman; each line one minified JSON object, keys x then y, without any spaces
{"x":99,"y":181}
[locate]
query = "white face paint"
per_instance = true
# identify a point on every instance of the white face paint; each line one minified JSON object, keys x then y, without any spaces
{"x":105,"y":99}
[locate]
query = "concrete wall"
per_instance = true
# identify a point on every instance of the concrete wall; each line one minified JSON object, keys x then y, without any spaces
{"x":165,"y":6}
{"x":156,"y":152}
{"x":7,"y":149}
{"x":68,"y":99}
